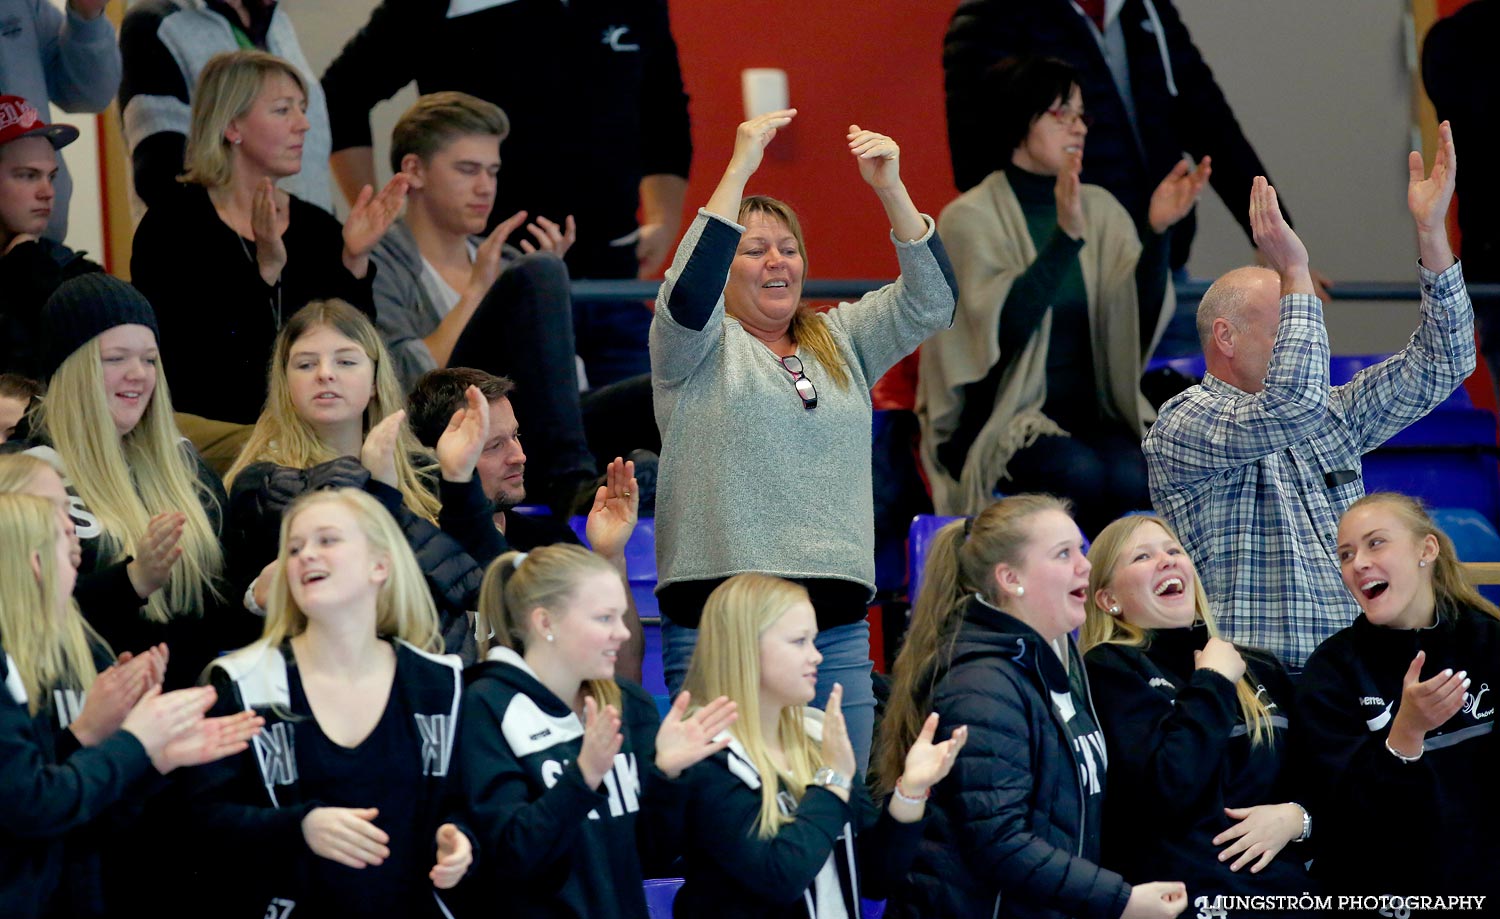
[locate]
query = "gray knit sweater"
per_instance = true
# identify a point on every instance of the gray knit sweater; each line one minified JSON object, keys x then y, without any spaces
{"x":749,"y":479}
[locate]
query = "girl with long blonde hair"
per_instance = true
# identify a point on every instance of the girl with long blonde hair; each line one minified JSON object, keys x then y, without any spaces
{"x":1196,"y":727}
{"x":1395,"y":713}
{"x":347,"y":793}
{"x":60,"y":781}
{"x":335,"y":419}
{"x":1018,"y":832}
{"x":781,"y":823}
{"x":148,"y":510}
{"x":568,"y":770}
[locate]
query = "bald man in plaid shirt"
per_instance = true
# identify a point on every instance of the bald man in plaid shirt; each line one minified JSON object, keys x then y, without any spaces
{"x":1254,"y":466}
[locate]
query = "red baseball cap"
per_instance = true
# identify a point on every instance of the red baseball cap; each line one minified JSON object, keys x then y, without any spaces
{"x":18,"y":120}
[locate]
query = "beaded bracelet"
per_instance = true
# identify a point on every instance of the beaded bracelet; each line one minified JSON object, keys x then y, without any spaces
{"x":905,"y":798}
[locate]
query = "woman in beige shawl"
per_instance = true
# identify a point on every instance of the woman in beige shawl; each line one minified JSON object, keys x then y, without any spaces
{"x":1037,"y":385}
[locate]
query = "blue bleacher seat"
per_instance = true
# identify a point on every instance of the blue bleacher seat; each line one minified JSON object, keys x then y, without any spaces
{"x":1474,"y":537}
{"x":660,"y":892}
{"x":923,"y":528}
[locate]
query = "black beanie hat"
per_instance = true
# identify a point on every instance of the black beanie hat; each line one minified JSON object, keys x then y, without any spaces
{"x":83,"y":308}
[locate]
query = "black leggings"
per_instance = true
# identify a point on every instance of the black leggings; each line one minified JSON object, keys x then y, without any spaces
{"x":1103,"y":473}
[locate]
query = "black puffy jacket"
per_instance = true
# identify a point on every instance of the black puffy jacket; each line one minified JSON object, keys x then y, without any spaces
{"x":1006,"y":831}
{"x":452,"y":554}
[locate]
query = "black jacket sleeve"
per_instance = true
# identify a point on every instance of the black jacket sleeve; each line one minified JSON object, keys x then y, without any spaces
{"x":660,"y":825}
{"x":990,"y":792}
{"x":374,"y":64}
{"x":666,"y":137}
{"x":697,"y":289}
{"x":466,"y":516}
{"x":526,"y":838}
{"x":43,"y":800}
{"x":1164,"y":752}
{"x":721,"y":825}
{"x":884,"y":846}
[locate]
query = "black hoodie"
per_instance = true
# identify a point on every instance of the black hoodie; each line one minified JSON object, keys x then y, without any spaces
{"x":53,"y":789}
{"x":555,"y":847}
{"x":1179,"y":753}
{"x":1014,"y":829}
{"x":1384,"y":826}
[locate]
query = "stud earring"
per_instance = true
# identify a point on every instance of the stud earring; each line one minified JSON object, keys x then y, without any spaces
{"x":550,"y":637}
{"x":1422,"y":563}
{"x":1020,"y":591}
{"x":1114,"y":610}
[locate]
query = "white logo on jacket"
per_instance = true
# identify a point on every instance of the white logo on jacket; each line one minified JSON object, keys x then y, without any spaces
{"x":436,"y":732}
{"x":277,"y":754}
{"x":1383,"y":718}
{"x":614,"y":35}
{"x":1471,"y":703}
{"x":622,"y":782}
{"x":68,"y":702}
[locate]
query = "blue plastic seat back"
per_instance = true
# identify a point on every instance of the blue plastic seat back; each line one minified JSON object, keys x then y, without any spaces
{"x":660,"y":892}
{"x":640,"y":549}
{"x":1474,"y":537}
{"x":923,"y":528}
{"x":1441,"y":478}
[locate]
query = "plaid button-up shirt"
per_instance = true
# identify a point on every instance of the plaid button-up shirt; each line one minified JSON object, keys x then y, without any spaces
{"x":1255,"y":484}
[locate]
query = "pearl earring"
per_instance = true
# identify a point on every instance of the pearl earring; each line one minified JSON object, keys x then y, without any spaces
{"x":1422,"y":563}
{"x":550,"y":637}
{"x":1020,"y":591}
{"x":1114,"y":610}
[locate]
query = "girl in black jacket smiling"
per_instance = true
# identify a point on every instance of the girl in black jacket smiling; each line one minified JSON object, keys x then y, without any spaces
{"x":1196,"y":728}
{"x":1396,"y":715}
{"x":780,"y":824}
{"x":1017,"y":830}
{"x":568,"y":772}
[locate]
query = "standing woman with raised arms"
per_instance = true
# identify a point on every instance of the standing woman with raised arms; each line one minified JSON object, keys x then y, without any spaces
{"x":764,"y":408}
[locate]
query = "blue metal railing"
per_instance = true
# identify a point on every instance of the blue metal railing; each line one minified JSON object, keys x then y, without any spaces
{"x":850,"y":288}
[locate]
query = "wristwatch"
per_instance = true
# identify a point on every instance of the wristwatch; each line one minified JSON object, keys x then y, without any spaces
{"x":828,"y":777}
{"x":1306,"y":824}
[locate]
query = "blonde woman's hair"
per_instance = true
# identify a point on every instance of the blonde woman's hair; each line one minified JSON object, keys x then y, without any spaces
{"x":1102,"y":628}
{"x":548,"y":577}
{"x":226,"y":88}
{"x":1449,"y":585}
{"x":125,"y":481}
{"x":40,"y":628}
{"x":809,"y":329}
{"x":283,"y":437}
{"x":18,"y":469}
{"x":726,"y":662}
{"x":961,"y":562}
{"x":403,"y":605}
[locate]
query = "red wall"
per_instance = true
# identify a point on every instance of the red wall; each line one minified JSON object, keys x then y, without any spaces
{"x":876,"y":64}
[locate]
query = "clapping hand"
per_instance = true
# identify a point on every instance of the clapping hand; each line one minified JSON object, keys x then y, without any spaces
{"x":155,"y":553}
{"x":369,"y":217}
{"x":378,"y":454}
{"x":1068,"y":193}
{"x":681,"y":742}
{"x":928,"y":763}
{"x":1428,"y":196}
{"x":550,"y":237}
{"x":616,"y":507}
{"x":463,"y":440}
{"x":601,"y":741}
{"x":838,"y":752}
{"x":1177,"y":194}
{"x":347,"y":835}
{"x":115,"y":692}
{"x":1426,"y":705}
{"x":1278,"y":244}
{"x":265,"y":223}
{"x":751,"y":138}
{"x":454,"y":856}
{"x":486,"y":267}
{"x":212,"y":739}
{"x":879,"y":158}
